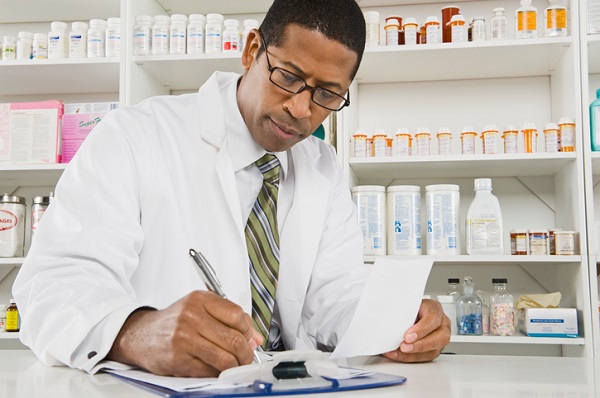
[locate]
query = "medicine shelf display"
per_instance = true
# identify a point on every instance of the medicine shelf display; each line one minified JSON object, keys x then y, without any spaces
{"x":449,"y":84}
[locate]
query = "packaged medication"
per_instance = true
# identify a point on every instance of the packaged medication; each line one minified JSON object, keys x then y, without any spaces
{"x":469,"y":310}
{"x":231,"y":36}
{"x":555,"y":19}
{"x":12,"y":225}
{"x":566,"y":136}
{"x":551,"y":133}
{"x":379,"y":144}
{"x":490,"y":139}
{"x":9,"y":48}
{"x":422,"y":142}
{"x":359,"y":145}
{"x":593,"y":16}
{"x":484,"y":221}
{"x":96,"y":39}
{"x":530,"y":137}
{"x":538,"y":242}
{"x":58,"y":40}
{"x":402,"y":143}
{"x":499,"y":25}
{"x":444,"y":138}
{"x":448,"y":12}
{"x":548,"y":322}
{"x":519,"y":242}
{"x":457,"y":29}
{"x":410,"y":31}
{"x":12,"y":317}
{"x":78,"y":40}
{"x":160,"y":35}
{"x":178,"y":34}
{"x":391,"y":32}
{"x":372,"y":27}
{"x":564,"y":243}
{"x":502,"y":316}
{"x":404,"y":220}
{"x":443,"y":206}
{"x":39,"y":49}
{"x":511,"y":139}
{"x":478,"y":30}
{"x":142,"y":35}
{"x":467,"y":140}
{"x":195,"y":34}
{"x":214,"y":33}
{"x":371,"y":206}
{"x":113,"y":37}
{"x":24,"y":45}
{"x":526,"y":21}
{"x":432,"y":29}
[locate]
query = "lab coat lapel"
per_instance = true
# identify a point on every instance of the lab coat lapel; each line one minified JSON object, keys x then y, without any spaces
{"x":300,"y":237}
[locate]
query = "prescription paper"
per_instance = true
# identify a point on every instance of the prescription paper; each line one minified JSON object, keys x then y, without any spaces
{"x":387,"y":307}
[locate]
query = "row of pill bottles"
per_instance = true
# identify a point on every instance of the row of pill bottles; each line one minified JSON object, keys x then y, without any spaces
{"x":542,"y":242}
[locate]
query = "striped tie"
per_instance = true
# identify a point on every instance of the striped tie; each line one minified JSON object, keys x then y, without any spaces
{"x":262,"y":240}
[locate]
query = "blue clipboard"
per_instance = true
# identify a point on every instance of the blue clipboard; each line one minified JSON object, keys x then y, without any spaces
{"x":260,"y":388}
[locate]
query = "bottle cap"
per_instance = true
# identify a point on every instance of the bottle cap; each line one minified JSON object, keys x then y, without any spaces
{"x":179,"y":17}
{"x":160,"y":19}
{"x":511,"y":127}
{"x":402,"y":130}
{"x":468,"y":129}
{"x":143,"y":18}
{"x":490,"y":127}
{"x":598,"y":93}
{"x":100,"y":22}
{"x":250,"y":23}
{"x":79,"y":26}
{"x":551,"y":126}
{"x":231,"y":22}
{"x":453,"y":280}
{"x":371,"y":16}
{"x":12,"y":301}
{"x":57,"y":25}
{"x":444,"y":129}
{"x":457,"y":17}
{"x":421,"y":130}
{"x":499,"y":280}
{"x":410,"y":21}
{"x":565,"y":120}
{"x":498,"y":10}
{"x":214,"y":17}
{"x":113,"y":21}
{"x":197,"y":17}
{"x":483,"y":183}
{"x":432,"y":18}
{"x":27,"y":35}
{"x":529,"y":126}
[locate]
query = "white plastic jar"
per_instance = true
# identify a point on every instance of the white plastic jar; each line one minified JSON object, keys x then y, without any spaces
{"x":96,"y":39}
{"x":195,"y":34}
{"x":113,"y":37}
{"x":443,"y":207}
{"x":142,"y":35}
{"x":370,"y":205}
{"x":249,"y":24}
{"x":160,"y":35}
{"x":178,"y":34}
{"x":39,"y":49}
{"x":9,"y":48}
{"x":24,"y":45}
{"x":214,"y":33}
{"x":58,"y":40}
{"x":404,"y":220}
{"x":12,"y":226}
{"x":372,"y":25}
{"x":231,"y":36}
{"x":78,"y":40}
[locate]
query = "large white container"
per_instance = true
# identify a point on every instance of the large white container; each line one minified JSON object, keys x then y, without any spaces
{"x":484,"y":221}
{"x":370,"y":204}
{"x":404,"y":220}
{"x":443,"y":207}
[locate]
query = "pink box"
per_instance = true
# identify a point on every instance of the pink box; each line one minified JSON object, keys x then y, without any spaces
{"x":69,"y":149}
{"x":77,"y":126}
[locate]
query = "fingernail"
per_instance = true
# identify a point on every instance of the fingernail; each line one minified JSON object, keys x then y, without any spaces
{"x":406,"y":347}
{"x":253,"y":344}
{"x":410,"y":338}
{"x":391,"y":355}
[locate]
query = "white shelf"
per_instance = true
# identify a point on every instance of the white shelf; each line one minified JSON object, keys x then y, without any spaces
{"x":188,"y":72}
{"x":25,"y":11}
{"x":59,"y":76}
{"x":219,"y":6}
{"x":594,"y":53}
{"x":11,"y":261}
{"x":496,"y":260}
{"x":9,"y":335}
{"x":511,"y":58}
{"x":456,"y":166}
{"x":521,"y":339}
{"x":31,"y":174}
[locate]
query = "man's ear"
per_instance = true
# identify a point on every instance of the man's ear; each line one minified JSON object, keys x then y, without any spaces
{"x":251,"y":48}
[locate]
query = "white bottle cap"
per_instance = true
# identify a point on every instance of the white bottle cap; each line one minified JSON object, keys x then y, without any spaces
{"x":40,"y":36}
{"x":79,"y":26}
{"x":27,"y":35}
{"x":250,"y":23}
{"x":551,"y":126}
{"x":490,"y":127}
{"x":457,"y":17}
{"x":179,"y":17}
{"x":57,"y":25}
{"x":445,"y":129}
{"x":12,"y":301}
{"x":479,"y":18}
{"x":161,"y":19}
{"x":432,"y":18}
{"x":214,"y":17}
{"x":421,"y":130}
{"x":483,"y":183}
{"x":565,"y":120}
{"x":113,"y":21}
{"x":468,"y":129}
{"x":445,"y":299}
{"x":371,"y":16}
{"x":529,"y":126}
{"x":231,"y":22}
{"x":143,"y":18}
{"x":99,"y":23}
{"x":498,"y":10}
{"x":197,"y":18}
{"x":510,"y":127}
{"x":410,"y":21}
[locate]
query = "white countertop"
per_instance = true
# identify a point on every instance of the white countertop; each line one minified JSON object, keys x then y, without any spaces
{"x":22,"y":376}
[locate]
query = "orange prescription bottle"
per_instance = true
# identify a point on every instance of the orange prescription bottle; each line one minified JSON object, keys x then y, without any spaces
{"x":530,"y":137}
{"x":566,"y":137}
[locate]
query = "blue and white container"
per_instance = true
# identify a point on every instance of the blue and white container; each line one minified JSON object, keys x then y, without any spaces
{"x":404,"y":220}
{"x":370,"y":205}
{"x":443,"y":207}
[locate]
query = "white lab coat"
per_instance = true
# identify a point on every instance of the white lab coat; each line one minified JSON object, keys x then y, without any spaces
{"x":151,"y":182}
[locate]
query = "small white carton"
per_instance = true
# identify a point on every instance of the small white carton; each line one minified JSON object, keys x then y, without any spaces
{"x":548,"y":322}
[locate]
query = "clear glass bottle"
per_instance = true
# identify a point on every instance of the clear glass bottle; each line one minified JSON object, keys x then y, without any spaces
{"x":526,"y":21}
{"x":478,"y":33}
{"x":499,"y":25}
{"x":454,"y":288}
{"x":12,"y":317}
{"x":502,"y":321}
{"x":485,"y":312}
{"x":469,"y":310}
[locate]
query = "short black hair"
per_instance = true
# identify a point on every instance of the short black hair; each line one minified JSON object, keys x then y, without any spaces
{"x":338,"y":20}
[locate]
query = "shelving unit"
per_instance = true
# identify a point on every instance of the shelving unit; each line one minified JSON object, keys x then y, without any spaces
{"x":515,"y":81}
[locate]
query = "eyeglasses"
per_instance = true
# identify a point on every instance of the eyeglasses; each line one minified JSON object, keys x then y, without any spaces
{"x":292,"y":83}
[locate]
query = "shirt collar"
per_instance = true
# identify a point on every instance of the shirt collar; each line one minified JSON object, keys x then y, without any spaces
{"x":243,"y":150}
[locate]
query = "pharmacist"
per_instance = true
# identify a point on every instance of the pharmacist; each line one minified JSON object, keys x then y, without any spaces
{"x":109,"y":275}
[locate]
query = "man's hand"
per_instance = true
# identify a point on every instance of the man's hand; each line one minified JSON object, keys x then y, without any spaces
{"x":200,"y":335}
{"x":426,"y":339}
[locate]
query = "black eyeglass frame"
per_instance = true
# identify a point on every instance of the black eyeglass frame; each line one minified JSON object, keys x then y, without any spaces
{"x":305,"y":86}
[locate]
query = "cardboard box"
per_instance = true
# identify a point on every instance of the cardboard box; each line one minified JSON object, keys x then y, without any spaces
{"x":30,"y":132}
{"x":548,"y":322}
{"x":75,"y":129}
{"x":90,"y":107}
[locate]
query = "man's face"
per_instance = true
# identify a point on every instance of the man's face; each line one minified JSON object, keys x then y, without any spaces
{"x":276,"y":118}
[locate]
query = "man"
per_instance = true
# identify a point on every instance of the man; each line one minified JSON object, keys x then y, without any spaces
{"x":109,"y":275}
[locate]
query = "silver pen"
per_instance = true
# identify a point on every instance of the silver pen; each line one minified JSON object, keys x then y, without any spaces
{"x":209,"y":277}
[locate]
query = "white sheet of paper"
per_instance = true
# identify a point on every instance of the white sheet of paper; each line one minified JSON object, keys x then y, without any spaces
{"x":179,"y":384}
{"x":387,"y":307}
